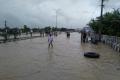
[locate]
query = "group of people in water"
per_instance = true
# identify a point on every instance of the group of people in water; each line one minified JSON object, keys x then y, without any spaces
{"x":85,"y":37}
{"x":89,"y":37}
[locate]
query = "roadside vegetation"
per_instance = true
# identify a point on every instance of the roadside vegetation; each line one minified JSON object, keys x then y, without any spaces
{"x":110,"y":24}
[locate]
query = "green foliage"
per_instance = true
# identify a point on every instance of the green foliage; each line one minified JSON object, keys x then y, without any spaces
{"x":63,"y":29}
{"x":5,"y":32}
{"x":25,"y":29}
{"x":47,"y":29}
{"x":15,"y":32}
{"x":35,"y":29}
{"x":109,"y":25}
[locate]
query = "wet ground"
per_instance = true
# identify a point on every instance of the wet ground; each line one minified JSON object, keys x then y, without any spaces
{"x":32,"y":60}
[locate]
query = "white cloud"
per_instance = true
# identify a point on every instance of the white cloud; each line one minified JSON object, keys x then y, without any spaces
{"x":72,"y":13}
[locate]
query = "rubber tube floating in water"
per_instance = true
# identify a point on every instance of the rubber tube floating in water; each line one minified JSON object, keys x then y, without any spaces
{"x":91,"y":55}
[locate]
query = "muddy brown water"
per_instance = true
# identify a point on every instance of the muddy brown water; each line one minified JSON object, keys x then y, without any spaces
{"x":32,"y":60}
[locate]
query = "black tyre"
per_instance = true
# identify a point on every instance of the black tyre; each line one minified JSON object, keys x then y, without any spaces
{"x":91,"y":55}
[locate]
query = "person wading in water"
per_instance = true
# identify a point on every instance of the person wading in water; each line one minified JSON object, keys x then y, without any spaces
{"x":50,"y":40}
{"x":84,"y":37}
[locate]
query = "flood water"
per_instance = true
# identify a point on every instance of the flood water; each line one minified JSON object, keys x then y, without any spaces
{"x":32,"y":60}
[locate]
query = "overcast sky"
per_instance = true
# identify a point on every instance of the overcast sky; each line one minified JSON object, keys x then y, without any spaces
{"x":34,"y":13}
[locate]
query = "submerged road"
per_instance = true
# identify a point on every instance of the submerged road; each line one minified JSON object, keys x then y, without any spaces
{"x":32,"y":60}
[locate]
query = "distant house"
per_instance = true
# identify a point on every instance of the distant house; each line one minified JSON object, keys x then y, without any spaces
{"x":78,"y":29}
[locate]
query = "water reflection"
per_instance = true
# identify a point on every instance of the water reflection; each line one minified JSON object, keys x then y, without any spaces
{"x":50,"y":54}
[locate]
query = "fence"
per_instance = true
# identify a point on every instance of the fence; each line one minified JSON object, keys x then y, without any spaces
{"x":21,"y":36}
{"x":112,"y":41}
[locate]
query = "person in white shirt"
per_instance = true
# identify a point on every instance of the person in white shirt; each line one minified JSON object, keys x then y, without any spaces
{"x":50,"y":40}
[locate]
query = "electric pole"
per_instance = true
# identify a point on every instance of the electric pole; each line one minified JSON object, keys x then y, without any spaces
{"x":5,"y":26}
{"x":101,"y":19}
{"x":102,"y":6}
{"x":56,"y":19}
{"x":5,"y":33}
{"x":57,"y":13}
{"x":5,"y":23}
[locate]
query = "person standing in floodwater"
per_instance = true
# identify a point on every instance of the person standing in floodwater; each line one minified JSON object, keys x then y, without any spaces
{"x":50,"y":40}
{"x":84,"y":37}
{"x":68,"y":34}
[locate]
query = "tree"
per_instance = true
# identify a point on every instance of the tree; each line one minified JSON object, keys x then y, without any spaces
{"x":15,"y":32}
{"x":26,"y":29}
{"x":110,"y":23}
{"x":47,"y":29}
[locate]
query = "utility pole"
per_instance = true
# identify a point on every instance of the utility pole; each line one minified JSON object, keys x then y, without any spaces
{"x":5,"y":26}
{"x":102,"y":6}
{"x":5,"y":33}
{"x":56,"y":18}
{"x":101,"y":19}
{"x":5,"y":23}
{"x":57,"y":11}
